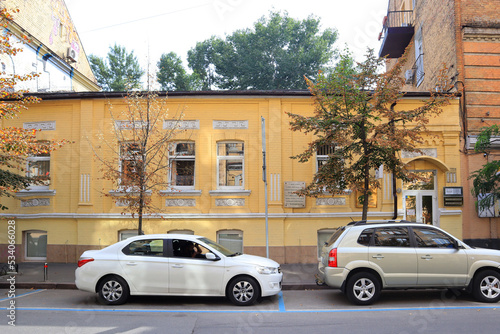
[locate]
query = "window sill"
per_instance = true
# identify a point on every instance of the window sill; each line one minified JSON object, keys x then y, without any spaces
{"x":127,"y":192}
{"x":180,"y":192}
{"x":36,"y":192}
{"x":230,"y":192}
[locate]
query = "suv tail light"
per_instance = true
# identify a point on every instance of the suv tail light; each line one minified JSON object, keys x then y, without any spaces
{"x":332,"y":258}
{"x":83,"y":261}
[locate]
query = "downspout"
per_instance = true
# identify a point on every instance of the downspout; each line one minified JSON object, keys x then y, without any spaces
{"x":394,"y":189}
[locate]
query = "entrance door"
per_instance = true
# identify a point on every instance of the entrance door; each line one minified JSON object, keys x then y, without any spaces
{"x":420,"y":199}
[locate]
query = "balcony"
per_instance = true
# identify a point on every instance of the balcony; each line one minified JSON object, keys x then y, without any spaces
{"x":397,"y":33}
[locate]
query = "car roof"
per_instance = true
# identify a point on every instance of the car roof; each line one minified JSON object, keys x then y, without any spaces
{"x":165,"y":236}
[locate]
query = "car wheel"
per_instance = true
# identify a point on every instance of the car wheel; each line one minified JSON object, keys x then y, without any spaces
{"x":363,"y":288}
{"x":243,"y":291}
{"x":487,"y":286}
{"x":113,"y":290}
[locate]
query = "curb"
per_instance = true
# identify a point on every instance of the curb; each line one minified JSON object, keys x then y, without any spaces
{"x":39,"y":285}
{"x":72,"y":286}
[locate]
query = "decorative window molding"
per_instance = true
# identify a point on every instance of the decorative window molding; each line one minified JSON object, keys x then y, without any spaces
{"x":172,"y":124}
{"x":27,"y":203}
{"x":429,"y":152}
{"x":129,"y":125}
{"x":180,"y":202}
{"x":229,"y":202}
{"x":46,"y":126}
{"x":227,"y":125}
{"x":331,"y":201}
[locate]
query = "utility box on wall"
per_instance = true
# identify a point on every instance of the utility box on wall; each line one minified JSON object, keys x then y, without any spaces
{"x":453,"y":196}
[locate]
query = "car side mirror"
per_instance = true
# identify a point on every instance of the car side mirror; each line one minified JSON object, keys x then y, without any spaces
{"x":212,"y":257}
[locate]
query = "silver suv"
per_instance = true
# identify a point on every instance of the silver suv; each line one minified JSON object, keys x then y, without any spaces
{"x":363,"y":258}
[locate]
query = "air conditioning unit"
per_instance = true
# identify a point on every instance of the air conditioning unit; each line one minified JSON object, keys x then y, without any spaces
{"x":72,"y":55}
{"x":409,"y":75}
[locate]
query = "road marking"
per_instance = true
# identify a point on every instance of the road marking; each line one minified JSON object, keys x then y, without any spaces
{"x":256,"y":311}
{"x":281,"y":302}
{"x":23,"y":294}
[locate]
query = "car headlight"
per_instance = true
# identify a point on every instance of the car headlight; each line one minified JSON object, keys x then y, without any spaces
{"x":267,"y":270}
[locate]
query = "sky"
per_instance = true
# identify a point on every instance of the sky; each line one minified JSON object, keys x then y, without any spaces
{"x":150,"y":28}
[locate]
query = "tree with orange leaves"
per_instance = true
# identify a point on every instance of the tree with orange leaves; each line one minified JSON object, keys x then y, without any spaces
{"x":16,"y":144}
{"x":358,"y":127}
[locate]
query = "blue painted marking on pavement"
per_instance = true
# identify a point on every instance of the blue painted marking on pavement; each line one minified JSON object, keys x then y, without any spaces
{"x":256,"y":311}
{"x":281,"y":302}
{"x":23,"y":294}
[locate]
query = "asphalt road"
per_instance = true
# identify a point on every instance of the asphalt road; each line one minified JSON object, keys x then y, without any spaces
{"x":318,"y":311}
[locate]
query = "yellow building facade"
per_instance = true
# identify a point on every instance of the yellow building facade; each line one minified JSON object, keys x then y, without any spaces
{"x":224,"y":196}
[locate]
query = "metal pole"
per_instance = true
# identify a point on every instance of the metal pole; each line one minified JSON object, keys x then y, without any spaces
{"x":45,"y":276}
{"x":264,"y":178}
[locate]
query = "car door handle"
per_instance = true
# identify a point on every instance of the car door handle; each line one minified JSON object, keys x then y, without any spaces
{"x":378,"y":256}
{"x":177,"y":266}
{"x":131,"y":264}
{"x":426,"y":257}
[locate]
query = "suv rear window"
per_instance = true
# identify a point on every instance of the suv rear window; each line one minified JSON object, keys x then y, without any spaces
{"x":365,"y":237}
{"x":335,"y":236}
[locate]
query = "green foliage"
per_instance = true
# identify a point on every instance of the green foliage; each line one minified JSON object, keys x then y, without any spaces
{"x":357,"y":121}
{"x":276,"y":54}
{"x":486,"y":181}
{"x":119,"y":72}
{"x":172,"y":75}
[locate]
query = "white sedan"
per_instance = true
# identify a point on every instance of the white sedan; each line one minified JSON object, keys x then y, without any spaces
{"x":180,"y":265}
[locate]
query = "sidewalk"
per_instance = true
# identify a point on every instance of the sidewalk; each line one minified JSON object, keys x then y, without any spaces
{"x":62,"y":276}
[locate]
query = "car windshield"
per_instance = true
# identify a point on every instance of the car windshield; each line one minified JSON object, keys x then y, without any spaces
{"x":218,"y":247}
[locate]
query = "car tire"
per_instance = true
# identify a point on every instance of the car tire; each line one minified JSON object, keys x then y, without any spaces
{"x":243,"y":291}
{"x":486,"y":286}
{"x":363,"y":288}
{"x":113,"y":290}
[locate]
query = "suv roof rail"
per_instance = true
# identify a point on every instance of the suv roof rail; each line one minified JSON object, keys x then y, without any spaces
{"x":364,"y":222}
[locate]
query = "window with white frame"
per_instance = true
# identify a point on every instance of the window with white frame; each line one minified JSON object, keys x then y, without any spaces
{"x":38,"y":167}
{"x":231,"y":239}
{"x":230,"y":165}
{"x":181,"y":160}
{"x":130,"y":164}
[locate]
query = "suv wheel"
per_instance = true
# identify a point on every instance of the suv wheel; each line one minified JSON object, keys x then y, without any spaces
{"x":487,"y":286}
{"x":113,"y":290}
{"x":363,"y":288}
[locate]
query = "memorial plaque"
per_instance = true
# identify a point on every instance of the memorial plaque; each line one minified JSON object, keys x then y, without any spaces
{"x":292,"y":200}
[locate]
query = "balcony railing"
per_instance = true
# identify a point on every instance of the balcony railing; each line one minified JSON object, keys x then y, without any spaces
{"x":398,"y":29}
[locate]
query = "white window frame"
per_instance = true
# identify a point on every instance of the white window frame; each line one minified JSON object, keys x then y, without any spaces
{"x":231,"y":157}
{"x":177,"y":157}
{"x":31,"y":160}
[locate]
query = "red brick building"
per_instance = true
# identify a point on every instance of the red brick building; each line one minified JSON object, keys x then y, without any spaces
{"x":464,"y":36}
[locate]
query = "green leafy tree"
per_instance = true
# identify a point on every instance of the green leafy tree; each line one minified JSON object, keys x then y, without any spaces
{"x":486,"y":181}
{"x":172,"y":75}
{"x":357,"y":124}
{"x":119,"y":72}
{"x":276,"y":54}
